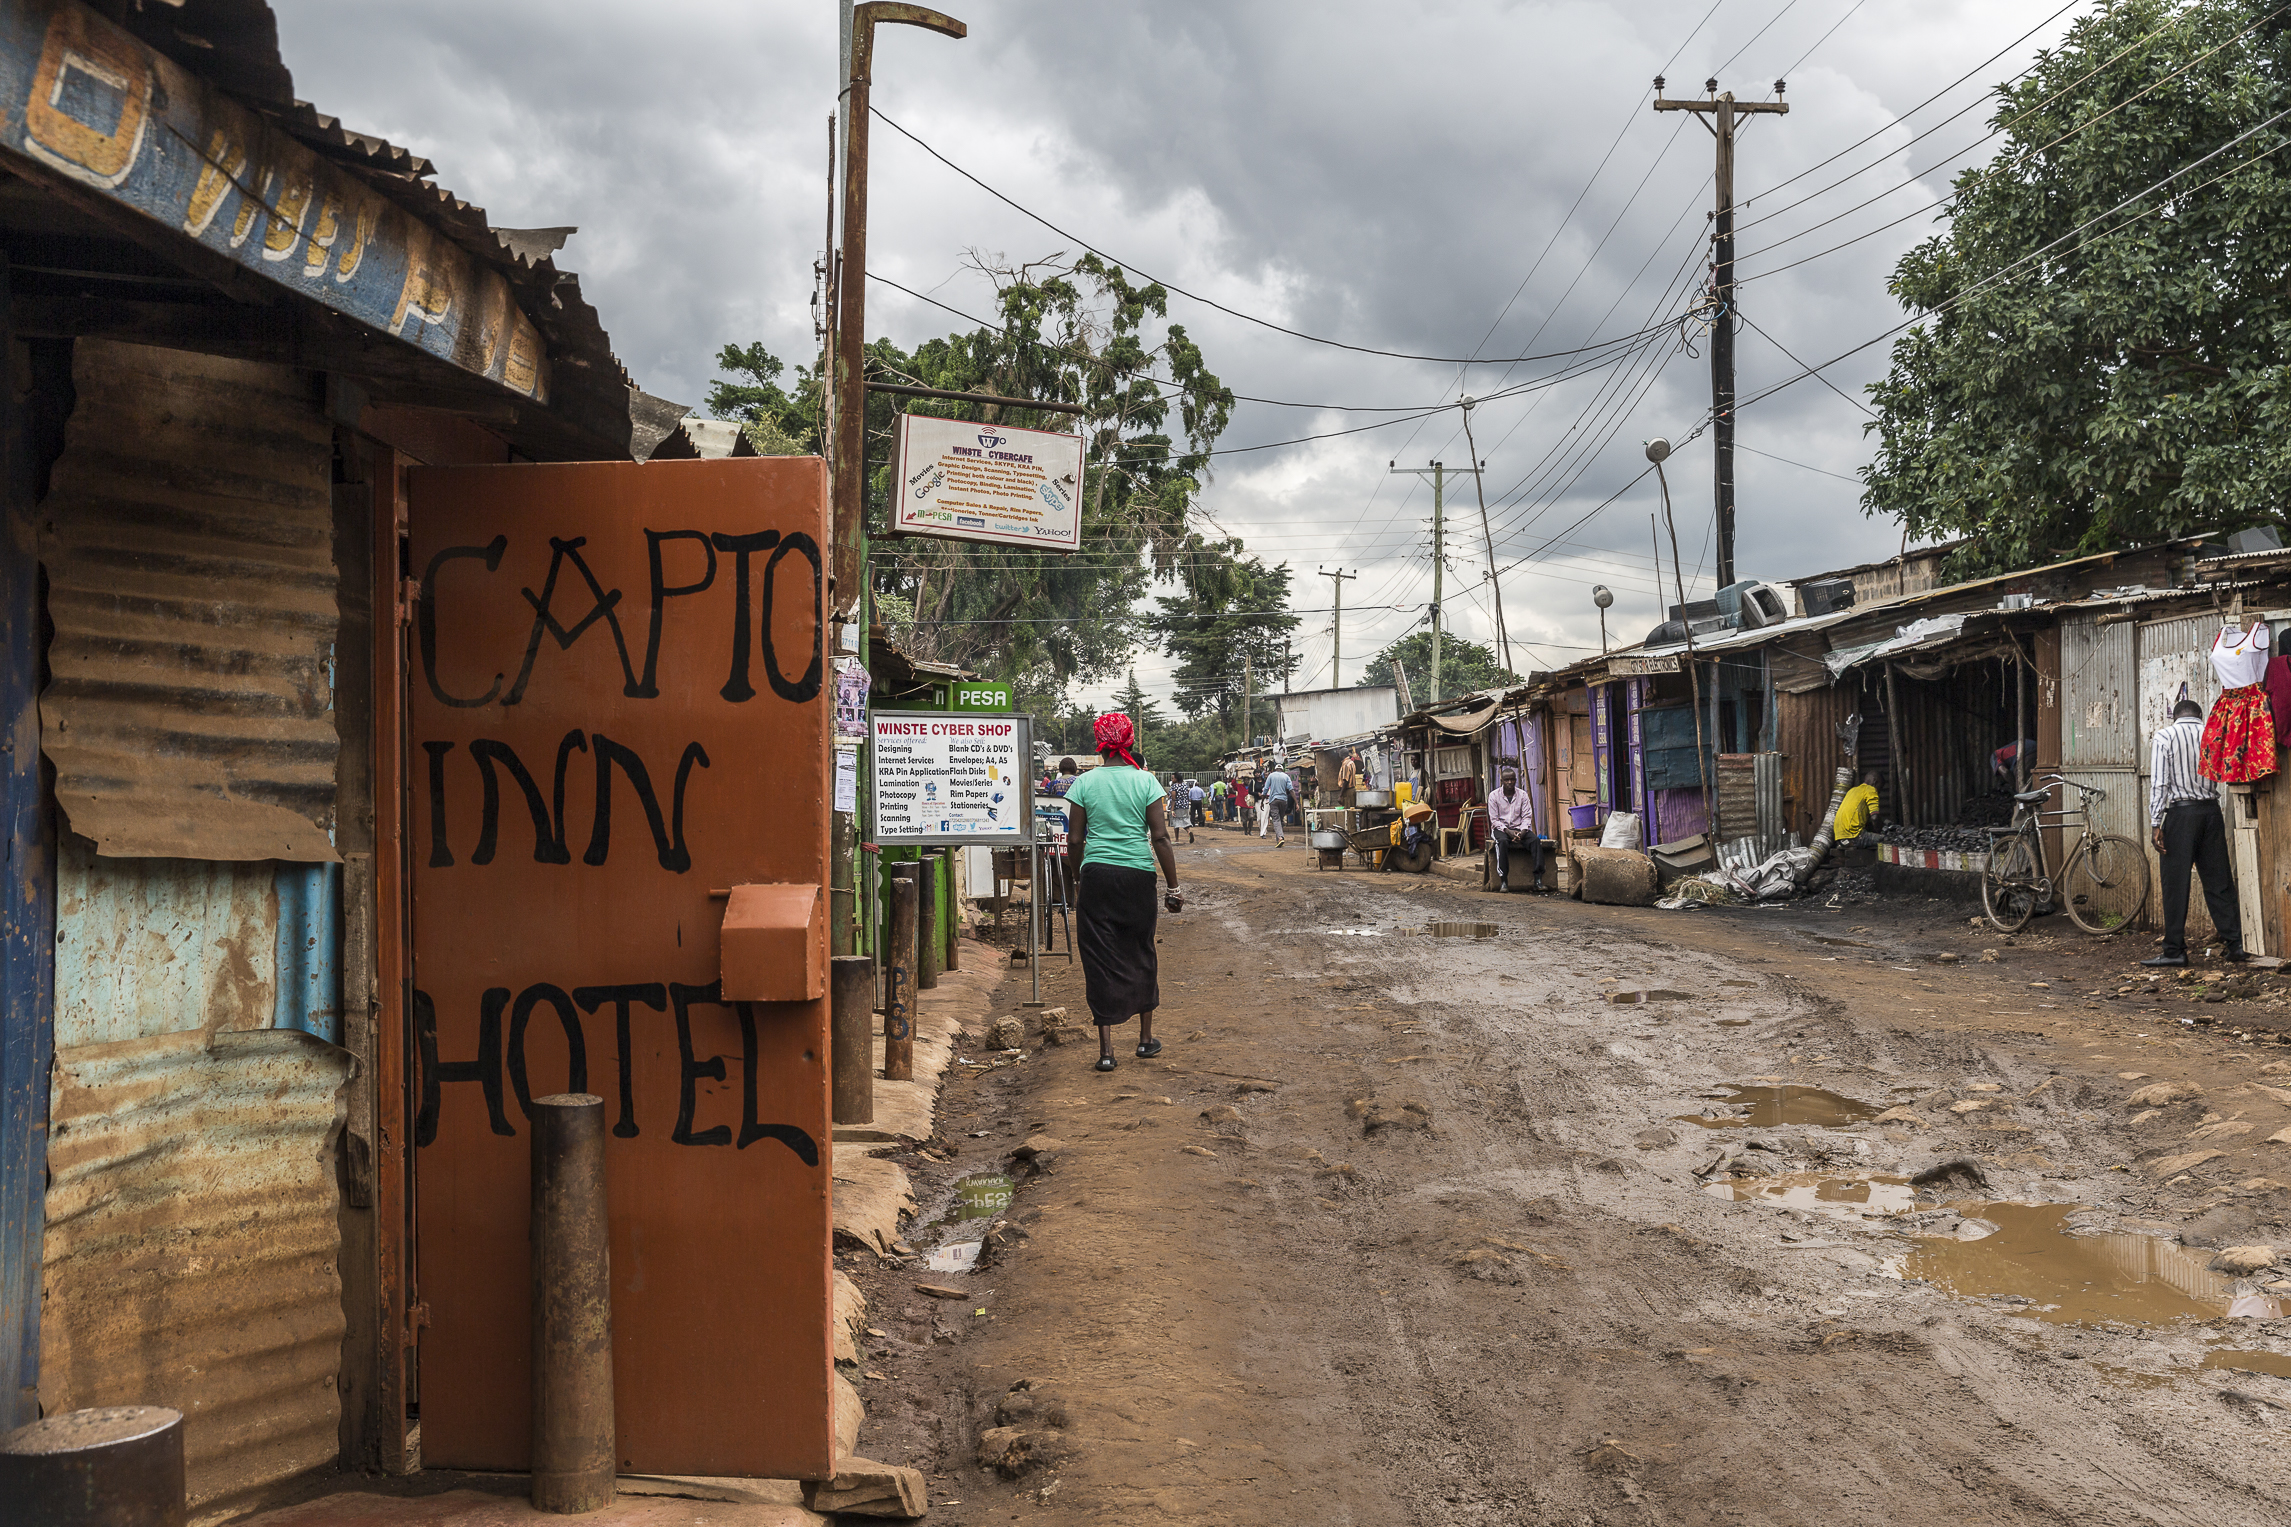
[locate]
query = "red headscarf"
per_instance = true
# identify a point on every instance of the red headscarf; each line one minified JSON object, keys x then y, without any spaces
{"x":1114,"y":735}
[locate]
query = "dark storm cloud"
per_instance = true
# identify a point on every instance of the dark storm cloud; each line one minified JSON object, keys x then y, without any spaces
{"x":1381,"y":174}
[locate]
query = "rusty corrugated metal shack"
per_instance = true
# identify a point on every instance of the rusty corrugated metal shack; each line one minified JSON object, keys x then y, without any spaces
{"x":232,"y":325}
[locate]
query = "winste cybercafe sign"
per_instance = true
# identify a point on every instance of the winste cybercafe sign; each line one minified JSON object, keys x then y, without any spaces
{"x":950,"y":779}
{"x":961,"y":481}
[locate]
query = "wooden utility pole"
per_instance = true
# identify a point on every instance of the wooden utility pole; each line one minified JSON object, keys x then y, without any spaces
{"x":850,"y":396}
{"x":1336,"y":628}
{"x":1438,"y":471}
{"x":1718,"y":113}
{"x":1246,"y":676}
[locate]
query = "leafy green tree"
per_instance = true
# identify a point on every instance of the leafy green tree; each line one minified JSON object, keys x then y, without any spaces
{"x":2072,"y":394}
{"x":777,"y":422}
{"x":1227,"y":623}
{"x":1464,"y":667}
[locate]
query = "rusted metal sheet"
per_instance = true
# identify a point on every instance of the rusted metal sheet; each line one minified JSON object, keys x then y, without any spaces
{"x":2099,"y":685}
{"x":160,"y":946}
{"x":191,"y":584}
{"x":191,"y":1246}
{"x":1808,"y":723}
{"x":650,"y":637}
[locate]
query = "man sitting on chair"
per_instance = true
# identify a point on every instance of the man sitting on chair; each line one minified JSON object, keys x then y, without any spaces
{"x":1511,"y":830}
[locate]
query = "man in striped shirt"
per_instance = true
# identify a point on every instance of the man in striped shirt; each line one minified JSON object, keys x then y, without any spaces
{"x":2184,"y":818}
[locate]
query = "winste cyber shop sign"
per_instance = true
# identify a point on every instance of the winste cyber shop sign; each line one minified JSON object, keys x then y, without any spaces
{"x":962,"y":481}
{"x":950,"y":778}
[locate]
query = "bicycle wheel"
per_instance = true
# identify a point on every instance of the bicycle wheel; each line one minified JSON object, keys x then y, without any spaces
{"x":2106,"y":884}
{"x":2008,"y":885}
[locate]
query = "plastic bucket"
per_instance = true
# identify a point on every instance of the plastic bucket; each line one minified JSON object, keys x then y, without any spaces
{"x":1584,"y":817}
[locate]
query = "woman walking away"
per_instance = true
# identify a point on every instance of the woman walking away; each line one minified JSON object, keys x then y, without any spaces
{"x":1117,"y":830}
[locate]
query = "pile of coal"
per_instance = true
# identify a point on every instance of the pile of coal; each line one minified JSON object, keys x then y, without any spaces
{"x":1964,"y":839}
{"x":1995,"y":810}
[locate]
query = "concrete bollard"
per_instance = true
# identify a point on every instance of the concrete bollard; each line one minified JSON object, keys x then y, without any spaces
{"x":574,"y":1441}
{"x":120,"y":1466}
{"x":851,"y":1038}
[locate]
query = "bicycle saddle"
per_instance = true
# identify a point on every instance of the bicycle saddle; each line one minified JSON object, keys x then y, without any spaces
{"x":2033,"y":795}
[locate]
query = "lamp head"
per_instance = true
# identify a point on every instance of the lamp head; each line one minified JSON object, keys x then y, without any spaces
{"x":1601,"y":595}
{"x":1658,"y":449}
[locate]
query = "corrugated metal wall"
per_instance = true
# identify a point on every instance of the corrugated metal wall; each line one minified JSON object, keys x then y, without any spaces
{"x":2101,"y":743}
{"x":192,"y":1242}
{"x":2171,"y":653}
{"x":1808,"y":729}
{"x":191,"y":583}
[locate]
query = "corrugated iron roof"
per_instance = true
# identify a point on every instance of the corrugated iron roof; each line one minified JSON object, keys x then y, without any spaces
{"x":188,"y":541}
{"x":360,"y":150}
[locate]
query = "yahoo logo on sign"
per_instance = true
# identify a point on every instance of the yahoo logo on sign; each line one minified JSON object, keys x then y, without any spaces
{"x":990,"y":439}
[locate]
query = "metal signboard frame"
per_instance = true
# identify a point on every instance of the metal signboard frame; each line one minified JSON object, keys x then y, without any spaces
{"x":986,"y":452}
{"x":1021,"y":789}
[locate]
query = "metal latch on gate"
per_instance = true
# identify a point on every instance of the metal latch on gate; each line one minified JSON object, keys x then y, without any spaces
{"x":775,"y":944}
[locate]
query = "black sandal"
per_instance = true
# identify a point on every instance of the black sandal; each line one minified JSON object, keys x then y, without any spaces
{"x":1105,"y":1063}
{"x":1149,"y":1050}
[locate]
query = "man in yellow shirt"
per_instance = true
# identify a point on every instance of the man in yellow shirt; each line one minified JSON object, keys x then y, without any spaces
{"x":1857,"y":812}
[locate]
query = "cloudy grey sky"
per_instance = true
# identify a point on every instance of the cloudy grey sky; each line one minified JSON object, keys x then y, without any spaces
{"x":1470,"y":178}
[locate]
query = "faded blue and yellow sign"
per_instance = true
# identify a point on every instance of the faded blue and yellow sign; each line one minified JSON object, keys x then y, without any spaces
{"x":85,"y":100}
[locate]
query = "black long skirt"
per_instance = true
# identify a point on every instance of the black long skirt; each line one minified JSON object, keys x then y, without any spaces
{"x":1116,"y":940}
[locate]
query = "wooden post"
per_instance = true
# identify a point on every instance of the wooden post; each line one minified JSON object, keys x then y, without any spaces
{"x":954,"y":906}
{"x":899,"y":979}
{"x":930,"y":926}
{"x":1894,"y":746}
{"x":851,"y":1038}
{"x":574,"y":1456}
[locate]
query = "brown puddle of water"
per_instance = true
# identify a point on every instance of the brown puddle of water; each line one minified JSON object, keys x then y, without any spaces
{"x":1462,"y":930}
{"x":2274,"y":1364}
{"x":1786,"y":1104}
{"x":2079,"y":1279}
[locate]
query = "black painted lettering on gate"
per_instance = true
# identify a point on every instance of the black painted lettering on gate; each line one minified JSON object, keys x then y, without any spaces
{"x":485,"y":1070}
{"x":667,"y":834}
{"x":807,"y":687}
{"x":797,"y":1140}
{"x":546,"y":623}
{"x":441,"y":854}
{"x":653,"y":995}
{"x":576,"y":1048}
{"x":689,"y":1070}
{"x":426,"y":618}
{"x":737,"y":688}
{"x":662,"y":592}
{"x":548,"y":830}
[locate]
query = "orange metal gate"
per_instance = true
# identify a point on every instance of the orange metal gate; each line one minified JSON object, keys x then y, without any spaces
{"x":617,"y":708}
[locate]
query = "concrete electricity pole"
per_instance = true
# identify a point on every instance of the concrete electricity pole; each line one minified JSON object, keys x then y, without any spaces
{"x":1336,"y":629}
{"x":1718,"y":114}
{"x":1487,"y":538}
{"x":1438,"y":472}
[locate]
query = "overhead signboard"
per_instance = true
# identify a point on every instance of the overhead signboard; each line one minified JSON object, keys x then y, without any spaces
{"x":961,"y":481}
{"x":1628,"y":667}
{"x":941,"y":778}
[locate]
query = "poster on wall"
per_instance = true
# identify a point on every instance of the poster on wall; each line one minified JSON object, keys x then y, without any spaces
{"x":939,"y":778}
{"x":960,"y":481}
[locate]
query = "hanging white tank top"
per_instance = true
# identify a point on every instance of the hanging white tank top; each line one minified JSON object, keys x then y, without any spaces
{"x":2240,"y":656}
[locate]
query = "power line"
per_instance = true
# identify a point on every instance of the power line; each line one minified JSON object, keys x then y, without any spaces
{"x":1800,"y":465}
{"x":1337,"y":344}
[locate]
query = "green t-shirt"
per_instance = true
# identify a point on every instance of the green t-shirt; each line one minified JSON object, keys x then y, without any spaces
{"x":1116,"y":796}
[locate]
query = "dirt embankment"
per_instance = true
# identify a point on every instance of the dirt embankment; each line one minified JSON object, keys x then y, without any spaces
{"x":1562,"y":1226}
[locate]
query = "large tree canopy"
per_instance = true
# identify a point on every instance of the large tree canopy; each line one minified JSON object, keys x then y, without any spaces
{"x":1070,"y":332}
{"x":2074,"y":391}
{"x":1464,"y":667}
{"x":1227,"y":626}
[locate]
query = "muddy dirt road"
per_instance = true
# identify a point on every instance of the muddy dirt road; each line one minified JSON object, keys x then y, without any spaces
{"x":1606,"y":1218}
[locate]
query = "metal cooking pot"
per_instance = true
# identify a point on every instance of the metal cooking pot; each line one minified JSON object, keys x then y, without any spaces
{"x":1372,"y":797}
{"x":1330,"y":838}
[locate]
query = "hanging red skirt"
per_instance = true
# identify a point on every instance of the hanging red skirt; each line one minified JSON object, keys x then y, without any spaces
{"x":2239,"y":737}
